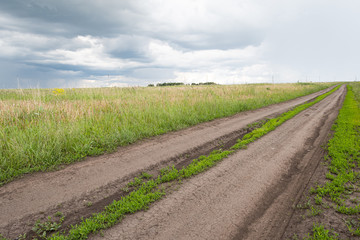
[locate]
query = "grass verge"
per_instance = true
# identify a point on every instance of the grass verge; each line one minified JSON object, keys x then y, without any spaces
{"x":337,"y":198}
{"x":149,"y":191}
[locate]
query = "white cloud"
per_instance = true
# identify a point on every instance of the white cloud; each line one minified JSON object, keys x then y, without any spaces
{"x":165,"y":55}
{"x":91,"y":55}
{"x":206,"y":24}
{"x":257,"y":73}
{"x":105,"y":81}
{"x":225,"y":41}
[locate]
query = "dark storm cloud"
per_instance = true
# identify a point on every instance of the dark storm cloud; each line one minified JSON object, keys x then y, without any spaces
{"x":113,"y":18}
{"x":45,"y":41}
{"x":72,"y":18}
{"x":78,"y":42}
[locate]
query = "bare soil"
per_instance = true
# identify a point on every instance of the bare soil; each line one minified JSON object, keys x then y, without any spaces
{"x":247,"y":196}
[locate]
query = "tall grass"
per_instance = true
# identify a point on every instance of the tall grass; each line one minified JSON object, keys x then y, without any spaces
{"x":43,"y":128}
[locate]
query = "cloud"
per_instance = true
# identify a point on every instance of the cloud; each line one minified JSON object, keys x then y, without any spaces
{"x":91,"y":56}
{"x":257,"y":73}
{"x":73,"y":43}
{"x":165,"y":55}
{"x":206,"y":24}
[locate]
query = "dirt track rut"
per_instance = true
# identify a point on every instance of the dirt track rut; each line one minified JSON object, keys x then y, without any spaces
{"x":247,"y":196}
{"x":37,"y":195}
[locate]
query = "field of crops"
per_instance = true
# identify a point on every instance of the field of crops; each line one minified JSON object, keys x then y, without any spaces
{"x":43,"y":128}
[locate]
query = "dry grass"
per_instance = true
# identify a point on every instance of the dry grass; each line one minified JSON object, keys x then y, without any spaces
{"x":42,"y":128}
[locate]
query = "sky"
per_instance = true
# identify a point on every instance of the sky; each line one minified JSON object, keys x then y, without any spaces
{"x":107,"y":43}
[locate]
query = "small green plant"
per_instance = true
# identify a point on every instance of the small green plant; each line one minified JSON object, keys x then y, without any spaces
{"x":295,"y":237}
{"x":136,"y":182}
{"x":320,"y":233}
{"x":314,"y":211}
{"x":21,"y":237}
{"x":59,"y":214}
{"x":353,"y":226}
{"x":305,"y":205}
{"x":146,"y":175}
{"x":318,"y":200}
{"x":2,"y":237}
{"x":125,"y":189}
{"x":42,"y":229}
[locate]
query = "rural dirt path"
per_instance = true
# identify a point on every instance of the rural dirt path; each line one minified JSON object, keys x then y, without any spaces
{"x":250,"y":194}
{"x":212,"y":205}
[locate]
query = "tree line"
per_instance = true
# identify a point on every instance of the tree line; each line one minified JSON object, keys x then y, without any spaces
{"x":179,"y":84}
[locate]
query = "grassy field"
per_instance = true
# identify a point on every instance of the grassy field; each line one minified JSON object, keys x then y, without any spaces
{"x":43,"y":128}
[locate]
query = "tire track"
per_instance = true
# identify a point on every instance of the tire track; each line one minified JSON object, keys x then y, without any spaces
{"x":39,"y":195}
{"x":247,"y":196}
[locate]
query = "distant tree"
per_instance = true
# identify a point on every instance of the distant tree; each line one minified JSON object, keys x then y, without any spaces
{"x":180,"y":84}
{"x":205,"y":83}
{"x":169,"y":84}
{"x":151,"y":85}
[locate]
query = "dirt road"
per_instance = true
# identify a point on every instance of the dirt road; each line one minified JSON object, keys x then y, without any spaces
{"x":235,"y":199}
{"x":247,"y":196}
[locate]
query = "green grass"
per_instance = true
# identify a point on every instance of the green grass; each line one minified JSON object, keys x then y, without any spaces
{"x":148,"y":191}
{"x":275,"y":122}
{"x":41,"y":129}
{"x":344,"y":155}
{"x":320,"y":233}
{"x":338,"y":195}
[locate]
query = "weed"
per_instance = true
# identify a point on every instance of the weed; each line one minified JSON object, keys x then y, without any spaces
{"x":59,"y":214}
{"x":125,"y":189}
{"x":145,"y":175}
{"x":42,"y":229}
{"x":295,"y":237}
{"x":305,"y":205}
{"x":136,"y":182}
{"x":2,"y":237}
{"x":320,"y":233}
{"x":21,"y":237}
{"x":353,"y":226}
{"x":314,"y":211}
{"x":318,"y":200}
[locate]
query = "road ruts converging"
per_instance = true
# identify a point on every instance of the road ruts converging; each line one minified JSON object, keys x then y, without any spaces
{"x":250,"y":194}
{"x":235,"y":183}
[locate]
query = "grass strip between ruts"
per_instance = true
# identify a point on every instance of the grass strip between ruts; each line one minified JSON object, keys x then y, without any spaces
{"x":151,"y":190}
